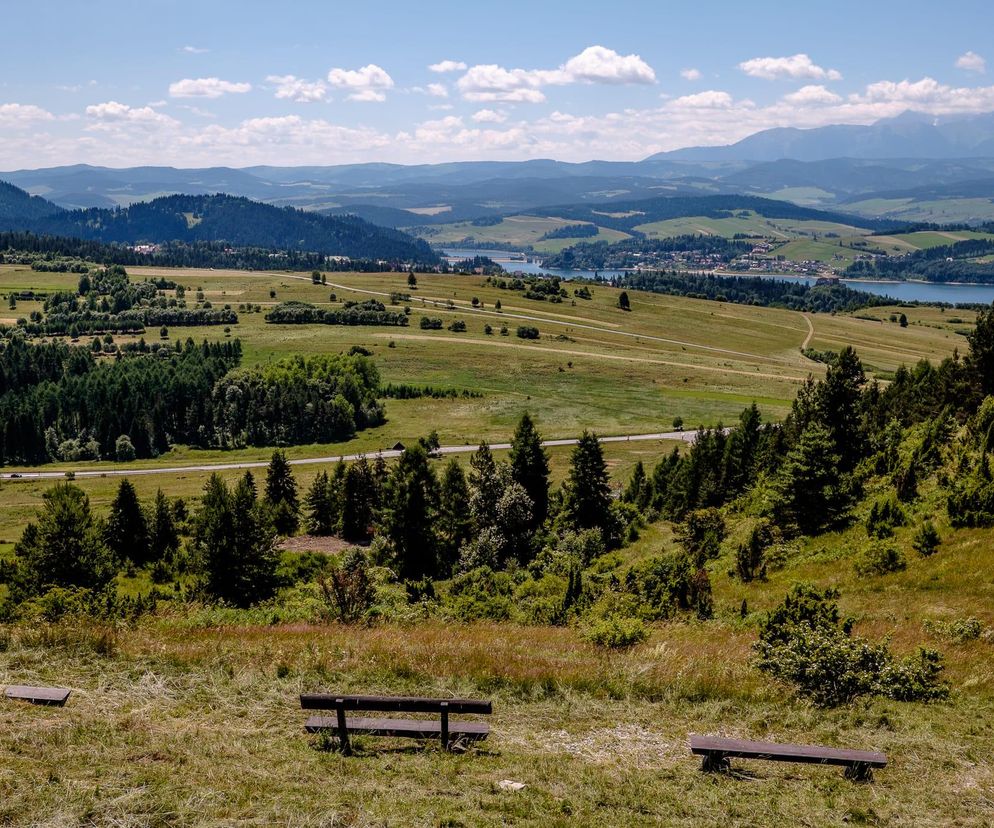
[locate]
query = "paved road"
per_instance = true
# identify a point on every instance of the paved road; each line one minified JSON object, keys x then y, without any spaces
{"x":686,"y":436}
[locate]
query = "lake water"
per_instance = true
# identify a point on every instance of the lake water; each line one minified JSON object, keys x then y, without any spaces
{"x":901,"y":291}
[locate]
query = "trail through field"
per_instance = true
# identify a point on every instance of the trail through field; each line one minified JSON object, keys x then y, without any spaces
{"x":685,"y":436}
{"x":811,"y":331}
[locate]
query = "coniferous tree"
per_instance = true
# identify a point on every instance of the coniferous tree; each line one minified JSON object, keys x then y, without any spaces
{"x":65,"y":547}
{"x":980,"y":360}
{"x":323,"y":514}
{"x":126,"y":530}
{"x":530,"y":467}
{"x":409,"y":511}
{"x":810,"y":491}
{"x":236,"y":540}
{"x":281,"y":494}
{"x":637,"y":490}
{"x":360,"y":499}
{"x":587,"y":493}
{"x":838,"y":400}
{"x":163,"y":534}
{"x":455,"y":522}
{"x":486,"y":487}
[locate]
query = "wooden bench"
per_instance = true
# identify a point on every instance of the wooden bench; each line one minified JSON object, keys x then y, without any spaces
{"x":449,"y":733}
{"x":717,"y":751}
{"x":52,"y":696}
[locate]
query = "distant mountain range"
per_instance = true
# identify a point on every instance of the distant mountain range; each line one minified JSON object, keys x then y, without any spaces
{"x":906,"y":159}
{"x":238,"y":221}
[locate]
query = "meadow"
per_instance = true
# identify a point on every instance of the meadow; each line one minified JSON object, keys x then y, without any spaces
{"x":191,"y":717}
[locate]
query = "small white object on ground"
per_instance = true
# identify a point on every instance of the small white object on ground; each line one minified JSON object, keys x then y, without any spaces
{"x":510,"y":785}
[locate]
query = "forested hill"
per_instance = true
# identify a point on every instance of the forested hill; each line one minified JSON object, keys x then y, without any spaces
{"x":17,"y":205}
{"x":239,"y":222}
{"x":626,"y":215}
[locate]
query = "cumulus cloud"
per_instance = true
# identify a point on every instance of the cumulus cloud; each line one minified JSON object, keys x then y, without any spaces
{"x":812,"y":95}
{"x":971,"y":62}
{"x":489,"y":116}
{"x":690,"y":74}
{"x":712,"y":99}
{"x":797,"y":66}
{"x":15,"y":114}
{"x":292,"y":88}
{"x":206,"y":88}
{"x":368,"y":83}
{"x":437,"y":90}
{"x":448,"y":66}
{"x":113,"y":114}
{"x":595,"y":64}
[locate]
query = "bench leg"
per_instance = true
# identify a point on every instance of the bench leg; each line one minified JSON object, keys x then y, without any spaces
{"x":343,"y":728}
{"x":859,"y":772}
{"x":715,"y":763}
{"x":445,"y":726}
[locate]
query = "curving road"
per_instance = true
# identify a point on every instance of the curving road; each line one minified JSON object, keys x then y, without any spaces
{"x":686,"y":436}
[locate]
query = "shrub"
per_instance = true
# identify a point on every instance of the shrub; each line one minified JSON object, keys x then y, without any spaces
{"x":617,"y":632}
{"x":527,"y":332}
{"x":124,"y":450}
{"x":958,"y":631}
{"x":348,"y":590}
{"x":880,"y":558}
{"x":431,"y":323}
{"x":457,"y":326}
{"x":926,"y":540}
{"x":481,"y":594}
{"x":802,"y":642}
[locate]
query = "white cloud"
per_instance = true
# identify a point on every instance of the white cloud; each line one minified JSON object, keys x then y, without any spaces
{"x":366,"y":84}
{"x":812,"y":95}
{"x":448,"y":66}
{"x":206,"y":88}
{"x":712,"y":99}
{"x":194,"y":50}
{"x":489,"y":116}
{"x":290,"y":87}
{"x":795,"y":66}
{"x":971,"y":62}
{"x":15,"y":114}
{"x":595,"y":64}
{"x":437,"y":90}
{"x":111,"y":115}
{"x":690,"y":74}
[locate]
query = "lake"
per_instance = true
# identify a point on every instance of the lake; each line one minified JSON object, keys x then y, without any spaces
{"x":901,"y":291}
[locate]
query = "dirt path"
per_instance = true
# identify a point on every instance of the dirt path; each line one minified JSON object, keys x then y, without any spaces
{"x":811,"y":331}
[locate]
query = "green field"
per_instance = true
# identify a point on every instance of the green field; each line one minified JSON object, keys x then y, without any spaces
{"x":940,"y":211}
{"x":749,"y":223}
{"x":923,"y":240}
{"x":513,"y":231}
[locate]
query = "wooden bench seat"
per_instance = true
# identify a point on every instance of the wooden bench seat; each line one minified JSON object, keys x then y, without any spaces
{"x":717,"y":750}
{"x":52,"y":696}
{"x":448,"y":732}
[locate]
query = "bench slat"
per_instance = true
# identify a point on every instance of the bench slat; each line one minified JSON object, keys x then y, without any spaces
{"x":54,"y":696}
{"x":411,"y":728}
{"x":394,"y":704}
{"x":813,"y":754}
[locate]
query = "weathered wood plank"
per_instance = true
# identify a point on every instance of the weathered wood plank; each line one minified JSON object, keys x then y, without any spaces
{"x":410,"y":728}
{"x":53,"y":696}
{"x":394,"y":704}
{"x":811,"y":754}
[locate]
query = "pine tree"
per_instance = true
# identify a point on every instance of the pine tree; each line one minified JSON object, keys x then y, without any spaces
{"x":359,"y":501}
{"x":980,"y":360}
{"x":64,"y":548}
{"x":587,"y":493}
{"x":838,"y":407}
{"x":281,"y":494}
{"x":455,"y":522}
{"x":163,"y":535}
{"x":323,"y":513}
{"x":236,"y":542}
{"x":127,"y":529}
{"x":530,"y":467}
{"x":410,"y":509}
{"x":637,"y":490}
{"x":486,"y":487}
{"x":810,"y":491}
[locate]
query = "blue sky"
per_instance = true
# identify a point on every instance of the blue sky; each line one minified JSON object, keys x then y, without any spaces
{"x":241,"y":83}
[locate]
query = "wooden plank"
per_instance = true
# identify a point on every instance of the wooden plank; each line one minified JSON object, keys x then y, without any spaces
{"x":394,"y":704}
{"x":411,"y":728}
{"x":811,"y":754}
{"x":52,"y":696}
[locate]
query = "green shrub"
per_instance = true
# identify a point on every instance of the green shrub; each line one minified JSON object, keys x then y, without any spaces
{"x":480,"y":594}
{"x":880,"y":558}
{"x":926,"y":540}
{"x":617,"y":632}
{"x":804,"y":643}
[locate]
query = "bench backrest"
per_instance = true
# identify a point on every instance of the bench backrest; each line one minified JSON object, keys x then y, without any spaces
{"x":396,"y":704}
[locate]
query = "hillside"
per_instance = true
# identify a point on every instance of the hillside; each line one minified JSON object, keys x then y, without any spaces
{"x":214,"y":218}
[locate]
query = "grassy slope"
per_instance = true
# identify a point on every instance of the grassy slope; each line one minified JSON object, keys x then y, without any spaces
{"x":515,"y":231}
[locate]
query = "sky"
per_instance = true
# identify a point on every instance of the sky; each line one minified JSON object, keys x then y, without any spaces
{"x":223,"y":83}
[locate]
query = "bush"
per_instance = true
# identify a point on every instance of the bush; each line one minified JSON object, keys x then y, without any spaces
{"x":480,"y":594}
{"x":527,"y":332}
{"x":124,"y":450}
{"x":457,"y":326}
{"x":802,"y":642}
{"x":430,"y":323}
{"x":926,"y":540}
{"x":880,"y":558}
{"x":617,"y":632}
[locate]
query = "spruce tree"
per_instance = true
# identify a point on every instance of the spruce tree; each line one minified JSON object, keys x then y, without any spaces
{"x":980,"y":359}
{"x":838,"y":400}
{"x":810,"y":491}
{"x":455,"y":522}
{"x":281,"y":494}
{"x":587,"y":493}
{"x":322,"y":506}
{"x":409,"y":511}
{"x":64,"y":548}
{"x":163,"y":535}
{"x":359,"y":501}
{"x":485,"y":483}
{"x":126,"y":531}
{"x":530,"y":467}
